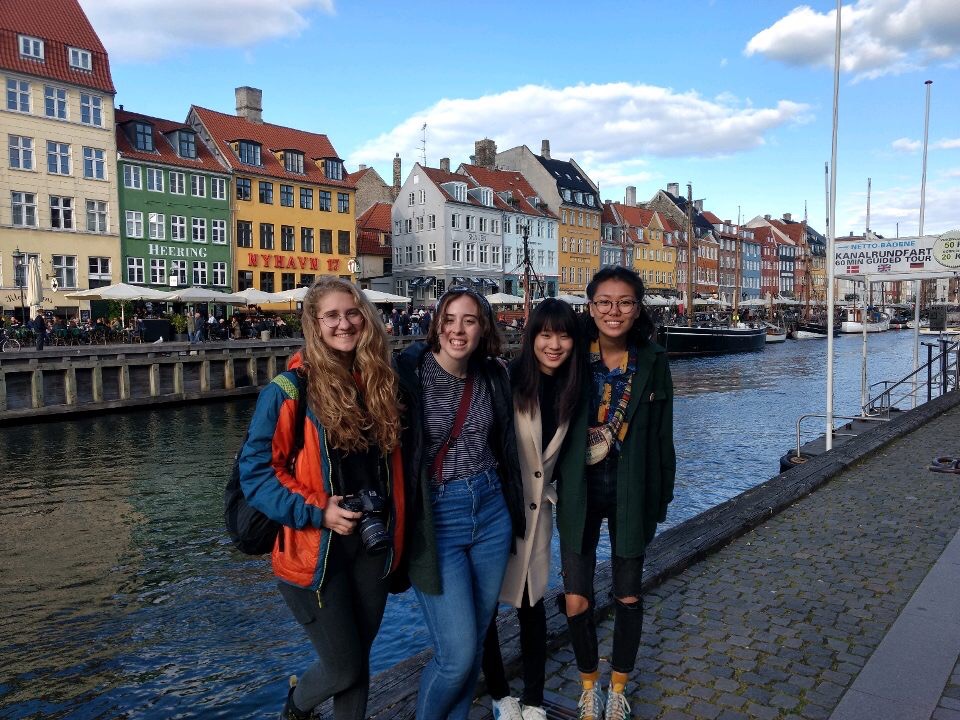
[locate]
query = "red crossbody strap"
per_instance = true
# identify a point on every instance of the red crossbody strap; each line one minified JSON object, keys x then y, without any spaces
{"x":436,"y":470}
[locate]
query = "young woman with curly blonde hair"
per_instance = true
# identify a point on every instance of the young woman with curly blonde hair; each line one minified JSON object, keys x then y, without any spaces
{"x":331,"y":561}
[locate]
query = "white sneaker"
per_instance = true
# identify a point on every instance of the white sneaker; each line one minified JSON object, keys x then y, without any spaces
{"x":591,"y":704}
{"x":533,"y":712}
{"x":507,"y":708}
{"x":617,"y":706}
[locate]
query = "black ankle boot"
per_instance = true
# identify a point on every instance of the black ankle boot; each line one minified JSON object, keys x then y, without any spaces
{"x":291,"y":711}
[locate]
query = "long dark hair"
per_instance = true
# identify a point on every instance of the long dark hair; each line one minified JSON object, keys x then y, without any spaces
{"x":643,"y":327}
{"x":555,"y":316}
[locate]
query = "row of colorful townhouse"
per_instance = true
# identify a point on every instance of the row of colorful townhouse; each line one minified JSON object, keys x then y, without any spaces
{"x":503,"y":213}
{"x":99,"y":196}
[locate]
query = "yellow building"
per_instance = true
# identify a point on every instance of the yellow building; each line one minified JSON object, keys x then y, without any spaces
{"x":293,"y":205}
{"x":654,"y":258}
{"x":59,"y":172}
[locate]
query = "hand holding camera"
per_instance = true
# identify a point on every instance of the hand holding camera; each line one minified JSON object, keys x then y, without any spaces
{"x":341,"y":520}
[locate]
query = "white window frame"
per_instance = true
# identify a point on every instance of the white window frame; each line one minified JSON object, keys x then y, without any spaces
{"x":154,"y":179}
{"x":132,"y":177}
{"x":98,"y":165}
{"x":218,"y":188}
{"x":157,"y":226}
{"x":198,"y":229}
{"x":219,"y":274}
{"x":198,"y":273}
{"x":198,"y":186}
{"x":98,"y":268}
{"x":134,"y":223}
{"x":135,"y":270}
{"x":23,"y":204}
{"x":158,"y":271}
{"x":455,"y":251}
{"x":495,"y":255}
{"x":30,"y":47}
{"x":65,"y":270}
{"x":64,"y":205}
{"x":420,"y":253}
{"x":178,"y":228}
{"x":218,"y":232}
{"x":80,"y":59}
{"x":92,"y":107}
{"x":96,"y":210}
{"x":55,"y":151}
{"x":21,"y":148}
{"x":18,"y":95}
{"x":431,"y":252}
{"x":178,"y":183}
{"x":58,"y":97}
{"x":179,"y":269}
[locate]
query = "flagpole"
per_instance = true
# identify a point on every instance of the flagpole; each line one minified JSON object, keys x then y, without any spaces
{"x":916,"y":283}
{"x":831,"y":234}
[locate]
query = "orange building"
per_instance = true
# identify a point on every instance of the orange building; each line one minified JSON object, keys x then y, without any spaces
{"x":293,"y":205}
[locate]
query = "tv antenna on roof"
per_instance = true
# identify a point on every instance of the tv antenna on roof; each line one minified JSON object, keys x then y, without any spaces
{"x":423,"y":145}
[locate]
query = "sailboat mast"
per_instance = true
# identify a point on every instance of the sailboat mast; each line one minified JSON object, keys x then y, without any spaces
{"x":690,"y":264}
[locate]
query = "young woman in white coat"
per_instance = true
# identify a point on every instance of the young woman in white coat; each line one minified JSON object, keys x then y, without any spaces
{"x":545,"y":381}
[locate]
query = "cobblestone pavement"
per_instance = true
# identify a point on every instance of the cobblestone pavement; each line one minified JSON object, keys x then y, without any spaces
{"x":949,"y":706}
{"x":777,"y":624}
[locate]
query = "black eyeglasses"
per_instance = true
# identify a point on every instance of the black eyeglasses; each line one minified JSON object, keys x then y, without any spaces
{"x":605,"y":306}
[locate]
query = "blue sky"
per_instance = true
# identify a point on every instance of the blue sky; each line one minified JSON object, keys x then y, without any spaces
{"x":733,"y":96}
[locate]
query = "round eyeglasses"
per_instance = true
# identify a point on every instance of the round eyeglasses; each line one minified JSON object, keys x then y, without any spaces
{"x":605,"y":306}
{"x":332,"y":318}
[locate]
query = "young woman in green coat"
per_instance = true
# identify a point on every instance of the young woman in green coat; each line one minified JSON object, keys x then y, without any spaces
{"x":619,"y":465}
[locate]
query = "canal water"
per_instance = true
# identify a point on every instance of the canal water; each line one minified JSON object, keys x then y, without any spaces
{"x":121,"y":598}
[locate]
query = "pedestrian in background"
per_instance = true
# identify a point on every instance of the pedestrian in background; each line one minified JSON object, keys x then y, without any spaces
{"x":546,"y":387}
{"x":39,"y":327}
{"x":464,"y":489}
{"x":619,"y":465}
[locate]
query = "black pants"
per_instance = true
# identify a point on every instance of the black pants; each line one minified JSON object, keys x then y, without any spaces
{"x":578,"y":565}
{"x":533,"y":651}
{"x":342,"y":629}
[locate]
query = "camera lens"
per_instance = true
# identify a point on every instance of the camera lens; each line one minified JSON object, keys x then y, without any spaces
{"x":373,"y":534}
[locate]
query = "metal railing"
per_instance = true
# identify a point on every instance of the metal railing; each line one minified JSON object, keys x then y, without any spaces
{"x":835,"y":430}
{"x":938,"y":375}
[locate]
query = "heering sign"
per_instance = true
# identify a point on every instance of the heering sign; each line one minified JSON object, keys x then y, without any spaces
{"x":907,"y":255}
{"x":176,"y":251}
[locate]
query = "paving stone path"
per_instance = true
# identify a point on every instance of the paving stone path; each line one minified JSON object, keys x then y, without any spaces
{"x":777,"y":624}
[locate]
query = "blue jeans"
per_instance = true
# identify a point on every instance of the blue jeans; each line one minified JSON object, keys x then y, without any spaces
{"x":473,"y":532}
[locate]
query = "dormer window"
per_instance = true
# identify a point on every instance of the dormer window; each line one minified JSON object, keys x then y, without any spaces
{"x":142,"y":136}
{"x":486,"y":197}
{"x":578,"y":198}
{"x":333,"y":169}
{"x":31,"y":47}
{"x":248,"y":152}
{"x":567,"y":195}
{"x":590,"y":200}
{"x":79,"y":59}
{"x":187,"y":144}
{"x":293,"y":161}
{"x":460,"y":192}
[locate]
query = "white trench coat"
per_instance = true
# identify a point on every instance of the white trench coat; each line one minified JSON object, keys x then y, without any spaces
{"x":531,"y":563}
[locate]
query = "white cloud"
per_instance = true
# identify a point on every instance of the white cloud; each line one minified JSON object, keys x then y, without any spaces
{"x":889,"y":206}
{"x":610,"y":129}
{"x":912,"y":146}
{"x":878,"y":37}
{"x":151,"y":29}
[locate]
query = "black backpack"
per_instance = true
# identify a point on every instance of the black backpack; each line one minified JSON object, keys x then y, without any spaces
{"x":252,"y":532}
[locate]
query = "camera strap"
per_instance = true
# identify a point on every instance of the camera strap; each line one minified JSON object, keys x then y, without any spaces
{"x":436,"y":470}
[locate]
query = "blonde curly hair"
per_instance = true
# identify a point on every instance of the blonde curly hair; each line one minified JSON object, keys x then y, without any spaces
{"x":352,"y":415}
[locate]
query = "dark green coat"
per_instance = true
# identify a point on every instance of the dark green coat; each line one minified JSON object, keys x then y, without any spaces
{"x":647,"y":463}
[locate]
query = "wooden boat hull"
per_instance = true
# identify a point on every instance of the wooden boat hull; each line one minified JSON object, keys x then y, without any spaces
{"x":683,"y":340}
{"x":853,"y":327}
{"x":812,"y":331}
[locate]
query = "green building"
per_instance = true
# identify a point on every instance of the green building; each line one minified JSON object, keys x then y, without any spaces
{"x":174,"y":206}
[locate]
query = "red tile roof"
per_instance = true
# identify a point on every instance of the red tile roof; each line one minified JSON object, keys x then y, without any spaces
{"x":225,"y":129}
{"x":793,"y":230}
{"x":60,"y":24}
{"x":375,"y":223}
{"x":354,"y":177}
{"x":165,"y":152}
{"x":633,"y":215}
{"x":503,"y":181}
{"x":711,"y":218}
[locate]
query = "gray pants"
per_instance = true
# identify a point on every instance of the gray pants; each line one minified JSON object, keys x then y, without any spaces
{"x":342,"y":630}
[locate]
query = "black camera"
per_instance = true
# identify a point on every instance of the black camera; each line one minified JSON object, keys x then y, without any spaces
{"x":373,"y":530}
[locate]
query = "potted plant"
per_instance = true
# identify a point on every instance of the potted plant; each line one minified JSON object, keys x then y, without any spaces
{"x":179,"y":323}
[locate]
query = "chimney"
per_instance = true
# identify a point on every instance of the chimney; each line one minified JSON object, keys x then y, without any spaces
{"x":787,"y":217}
{"x":545,"y":149}
{"x":698,"y":205}
{"x":445,"y":164}
{"x":486,"y":153}
{"x":674,"y":189}
{"x":250,"y":104}
{"x":766,"y":217}
{"x":396,"y":175}
{"x":362,"y":167}
{"x":631,"y":195}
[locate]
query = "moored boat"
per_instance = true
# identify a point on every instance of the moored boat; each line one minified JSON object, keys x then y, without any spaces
{"x":812,"y":331}
{"x":855,"y":319}
{"x":710,"y":340}
{"x":776,"y":334}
